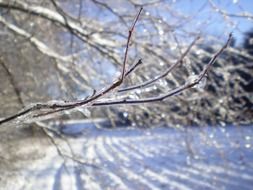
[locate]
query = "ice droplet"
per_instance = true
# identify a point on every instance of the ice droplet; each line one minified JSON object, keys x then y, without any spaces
{"x":161,"y":63}
{"x":223,"y":124}
{"x":223,"y":130}
{"x":194,"y":78}
{"x":196,"y":157}
{"x":138,"y":91}
{"x":133,"y":96}
{"x":188,"y":160}
{"x":133,"y":124}
{"x":162,"y":83}
{"x":198,"y":52}
{"x":85,"y":111}
{"x":148,"y":89}
{"x":125,"y":114}
{"x":173,"y":47}
{"x":202,"y":83}
{"x":161,"y":32}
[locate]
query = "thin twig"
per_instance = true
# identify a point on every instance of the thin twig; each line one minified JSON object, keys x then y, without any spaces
{"x":243,"y":15}
{"x":128,"y":42}
{"x":133,"y":67}
{"x":165,"y":73}
{"x":187,"y":85}
{"x":61,"y":153}
{"x":13,"y":82}
{"x":94,"y":100}
{"x":57,"y":107}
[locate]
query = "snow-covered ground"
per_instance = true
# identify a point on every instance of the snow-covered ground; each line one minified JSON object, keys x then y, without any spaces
{"x":128,"y":158}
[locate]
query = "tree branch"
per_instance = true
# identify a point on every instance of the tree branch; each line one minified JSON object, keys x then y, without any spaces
{"x":44,"y":109}
{"x":70,"y":105}
{"x":164,"y":74}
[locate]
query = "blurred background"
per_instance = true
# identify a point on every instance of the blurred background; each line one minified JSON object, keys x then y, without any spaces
{"x":62,"y":50}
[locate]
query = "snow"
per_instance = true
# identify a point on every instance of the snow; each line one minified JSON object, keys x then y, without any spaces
{"x":130,"y":158}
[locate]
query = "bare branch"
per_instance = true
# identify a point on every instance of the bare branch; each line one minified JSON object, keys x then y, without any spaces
{"x":165,"y":73}
{"x":187,"y":85}
{"x":55,"y":17}
{"x":133,"y":67}
{"x":88,"y":102}
{"x":127,"y":45}
{"x":37,"y":43}
{"x":71,"y":105}
{"x":13,"y":82}
{"x":99,"y":36}
{"x":224,"y":13}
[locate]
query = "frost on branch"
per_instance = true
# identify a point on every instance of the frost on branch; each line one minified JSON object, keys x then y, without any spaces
{"x":83,"y":63}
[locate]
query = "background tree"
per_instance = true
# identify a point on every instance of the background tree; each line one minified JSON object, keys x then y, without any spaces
{"x":172,"y":62}
{"x":57,"y":50}
{"x":248,"y":42}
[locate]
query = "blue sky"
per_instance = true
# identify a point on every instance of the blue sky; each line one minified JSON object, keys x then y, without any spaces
{"x":200,"y":10}
{"x":218,"y":25}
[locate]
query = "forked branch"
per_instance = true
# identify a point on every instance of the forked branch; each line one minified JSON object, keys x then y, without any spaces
{"x":187,"y":85}
{"x":165,"y":73}
{"x":41,"y":109}
{"x":56,"y":107}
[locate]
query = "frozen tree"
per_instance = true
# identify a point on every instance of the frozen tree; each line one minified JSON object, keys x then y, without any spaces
{"x":78,"y":55}
{"x":124,"y":63}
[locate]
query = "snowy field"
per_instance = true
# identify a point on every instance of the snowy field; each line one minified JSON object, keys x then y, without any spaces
{"x":128,"y":158}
